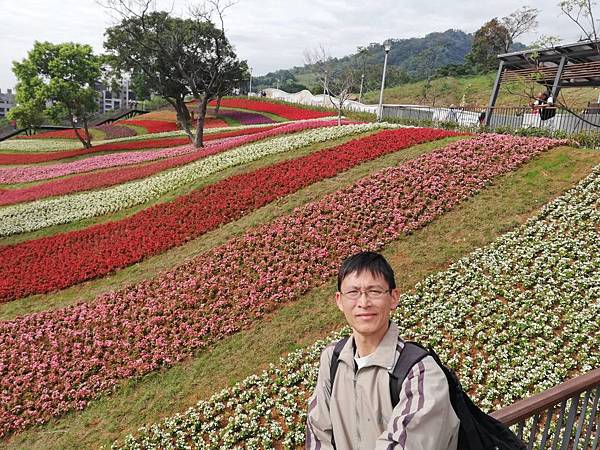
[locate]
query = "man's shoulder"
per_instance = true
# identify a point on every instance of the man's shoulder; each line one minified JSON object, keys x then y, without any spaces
{"x":429,"y":372}
{"x":327,"y":352}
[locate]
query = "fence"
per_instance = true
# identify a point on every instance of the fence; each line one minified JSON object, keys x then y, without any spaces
{"x":564,"y":417}
{"x":550,"y":118}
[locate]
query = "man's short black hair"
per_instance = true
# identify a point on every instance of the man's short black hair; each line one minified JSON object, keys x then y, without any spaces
{"x":371,"y":261}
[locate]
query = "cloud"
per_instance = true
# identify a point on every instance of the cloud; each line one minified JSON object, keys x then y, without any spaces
{"x":273,"y":34}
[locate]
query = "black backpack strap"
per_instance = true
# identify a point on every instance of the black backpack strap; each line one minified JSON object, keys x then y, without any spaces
{"x":410,"y":355}
{"x":335,"y":360}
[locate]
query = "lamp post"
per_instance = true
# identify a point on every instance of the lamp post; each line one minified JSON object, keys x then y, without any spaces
{"x":387,"y":45}
{"x":250,"y":87}
{"x":362,"y":80}
{"x":325,"y":87}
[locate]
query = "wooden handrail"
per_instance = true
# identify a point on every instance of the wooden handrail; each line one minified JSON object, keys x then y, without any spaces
{"x":523,"y":409}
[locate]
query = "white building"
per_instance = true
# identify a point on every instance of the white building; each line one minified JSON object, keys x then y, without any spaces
{"x":109,"y":100}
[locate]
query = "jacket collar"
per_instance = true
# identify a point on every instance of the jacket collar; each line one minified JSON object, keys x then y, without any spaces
{"x":385,"y":354}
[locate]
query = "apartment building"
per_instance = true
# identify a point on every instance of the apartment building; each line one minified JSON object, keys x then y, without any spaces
{"x":7,"y":101}
{"x":109,"y":100}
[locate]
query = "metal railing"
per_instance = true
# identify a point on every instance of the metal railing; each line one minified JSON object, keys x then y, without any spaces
{"x":564,"y":417}
{"x":550,"y":118}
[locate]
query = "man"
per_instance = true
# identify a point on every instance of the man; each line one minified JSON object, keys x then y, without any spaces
{"x":357,"y":413}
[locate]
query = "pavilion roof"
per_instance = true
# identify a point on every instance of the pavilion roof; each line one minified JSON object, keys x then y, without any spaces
{"x":582,"y":65}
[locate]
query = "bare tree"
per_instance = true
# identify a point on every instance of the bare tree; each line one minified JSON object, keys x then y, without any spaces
{"x":337,"y":81}
{"x":581,"y":12}
{"x":518,"y":23}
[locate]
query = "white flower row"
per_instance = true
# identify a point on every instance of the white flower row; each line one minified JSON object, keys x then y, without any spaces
{"x":43,"y":213}
{"x":513,"y":318}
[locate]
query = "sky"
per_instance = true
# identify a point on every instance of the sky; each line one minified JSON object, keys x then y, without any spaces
{"x":273,"y":34}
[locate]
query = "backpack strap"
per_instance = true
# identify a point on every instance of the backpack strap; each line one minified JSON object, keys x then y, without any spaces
{"x":410,"y":355}
{"x":335,"y":359}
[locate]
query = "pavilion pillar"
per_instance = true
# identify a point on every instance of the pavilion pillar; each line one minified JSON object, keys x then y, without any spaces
{"x":494,"y":95}
{"x":556,"y":85}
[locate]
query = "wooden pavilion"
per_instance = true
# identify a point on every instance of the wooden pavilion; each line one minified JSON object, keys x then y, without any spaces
{"x":570,"y":65}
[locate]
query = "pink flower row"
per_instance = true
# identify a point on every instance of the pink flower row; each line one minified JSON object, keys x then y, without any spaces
{"x":55,"y":361}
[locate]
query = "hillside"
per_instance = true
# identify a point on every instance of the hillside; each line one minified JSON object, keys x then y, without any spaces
{"x":476,"y":90}
{"x":409,"y":59}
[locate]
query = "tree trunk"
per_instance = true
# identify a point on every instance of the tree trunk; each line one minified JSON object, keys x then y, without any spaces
{"x":339,"y":114}
{"x":202,"y":106}
{"x":85,"y":140}
{"x":183,"y":117}
{"x":88,"y":136}
{"x":219,"y":98}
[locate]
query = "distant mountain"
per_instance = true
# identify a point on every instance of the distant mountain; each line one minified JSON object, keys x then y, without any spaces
{"x":409,"y":59}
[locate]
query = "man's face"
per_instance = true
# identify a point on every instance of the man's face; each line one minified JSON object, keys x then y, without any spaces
{"x":366,"y":315}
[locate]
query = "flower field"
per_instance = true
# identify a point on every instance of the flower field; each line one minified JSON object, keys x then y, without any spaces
{"x":527,"y":304}
{"x":73,"y":355}
{"x":43,"y":213}
{"x":62,"y":260}
{"x":141,"y":298}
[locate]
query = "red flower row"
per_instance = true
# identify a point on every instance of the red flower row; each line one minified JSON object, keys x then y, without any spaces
{"x":287,"y":111}
{"x":29,"y":158}
{"x":151,"y":126}
{"x":96,"y":180}
{"x":66,"y":259}
{"x":56,"y":361}
{"x":57,"y":134}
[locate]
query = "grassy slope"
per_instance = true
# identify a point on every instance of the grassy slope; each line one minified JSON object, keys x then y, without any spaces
{"x":478,"y":221}
{"x":476,"y":89}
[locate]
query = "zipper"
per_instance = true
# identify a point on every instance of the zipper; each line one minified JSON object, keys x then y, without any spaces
{"x":356,"y":416}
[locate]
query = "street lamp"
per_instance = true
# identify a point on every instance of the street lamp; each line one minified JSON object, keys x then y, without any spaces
{"x":387,"y":45}
{"x":325,"y":87}
{"x":362,"y":80}
{"x":250,"y":88}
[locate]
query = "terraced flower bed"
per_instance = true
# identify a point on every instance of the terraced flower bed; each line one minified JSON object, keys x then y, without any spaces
{"x":47,"y":212}
{"x":74,"y":355}
{"x":62,"y":260}
{"x":514,"y":318}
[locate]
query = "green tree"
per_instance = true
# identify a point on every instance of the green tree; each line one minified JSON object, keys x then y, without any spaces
{"x":176,"y":57}
{"x":27,"y":114}
{"x":61,"y":77}
{"x":489,"y":41}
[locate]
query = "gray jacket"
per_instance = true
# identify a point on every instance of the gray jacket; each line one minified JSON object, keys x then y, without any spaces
{"x":359,"y":411}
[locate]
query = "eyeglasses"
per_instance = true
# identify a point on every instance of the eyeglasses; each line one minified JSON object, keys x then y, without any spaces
{"x":373,"y":294}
